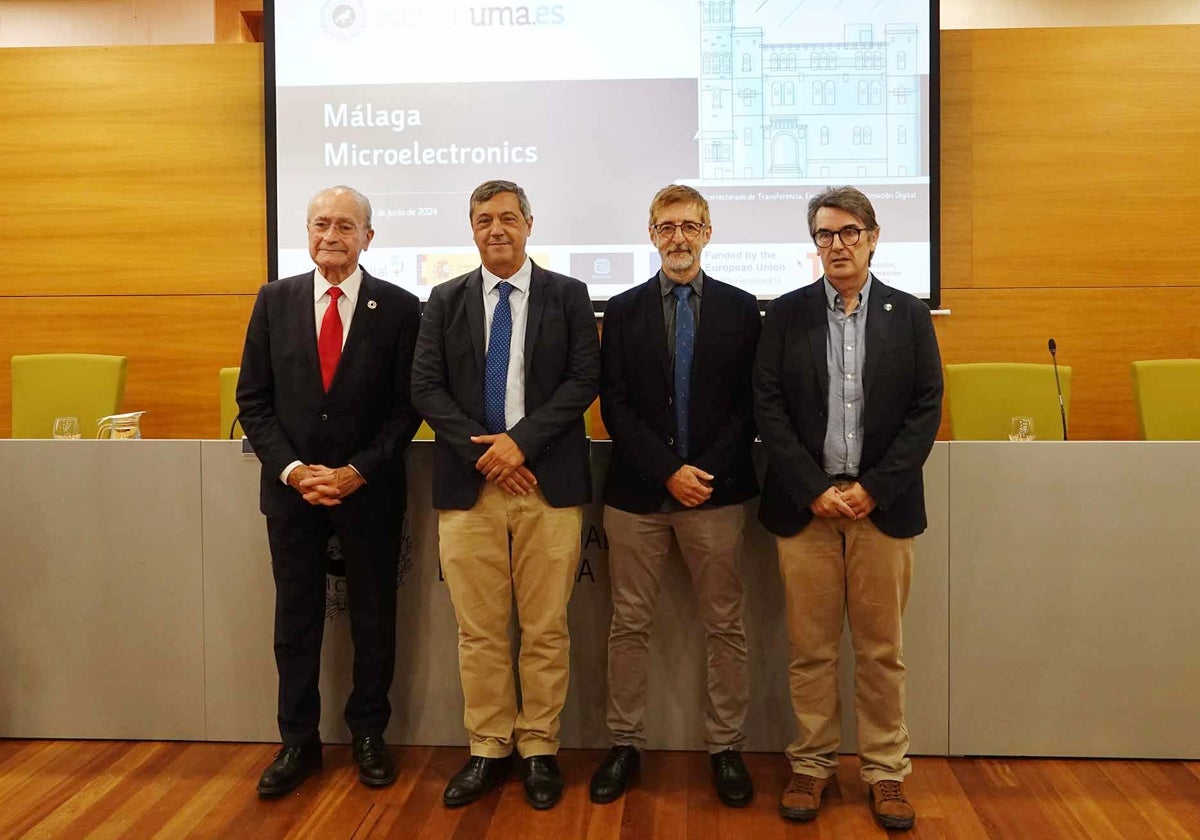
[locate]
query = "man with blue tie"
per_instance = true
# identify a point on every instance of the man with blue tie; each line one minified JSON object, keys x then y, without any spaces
{"x":675,"y":392}
{"x":507,"y":361}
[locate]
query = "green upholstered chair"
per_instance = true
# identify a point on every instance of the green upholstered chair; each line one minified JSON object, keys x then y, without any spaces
{"x":1166,"y":393}
{"x":983,"y":398}
{"x":82,"y":385}
{"x":229,"y":406}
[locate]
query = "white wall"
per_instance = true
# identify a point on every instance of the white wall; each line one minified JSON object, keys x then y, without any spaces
{"x":1015,"y":14}
{"x":98,"y":23}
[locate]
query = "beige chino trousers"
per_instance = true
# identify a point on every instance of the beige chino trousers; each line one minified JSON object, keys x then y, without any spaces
{"x":484,"y":577}
{"x":832,"y":568}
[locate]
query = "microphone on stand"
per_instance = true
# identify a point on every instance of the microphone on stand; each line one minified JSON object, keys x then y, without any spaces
{"x":1062,"y":409}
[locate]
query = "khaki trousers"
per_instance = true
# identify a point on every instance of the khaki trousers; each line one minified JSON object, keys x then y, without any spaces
{"x":710,"y":541}
{"x":483,"y":578}
{"x":831,"y":567}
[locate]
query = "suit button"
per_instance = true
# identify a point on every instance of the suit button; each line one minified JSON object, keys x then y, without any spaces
{"x":324,"y":416}
{"x":669,"y":401}
{"x":670,"y":441}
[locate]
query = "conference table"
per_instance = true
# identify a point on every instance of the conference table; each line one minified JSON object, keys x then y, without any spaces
{"x":1053,"y":609}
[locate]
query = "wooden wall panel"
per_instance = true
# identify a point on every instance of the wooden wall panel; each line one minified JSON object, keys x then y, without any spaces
{"x":1091,"y":132}
{"x":134,"y":170}
{"x":1085,"y":158}
{"x":176,"y":344}
{"x":955,"y":143}
{"x":232,"y":19}
{"x":1098,"y":332}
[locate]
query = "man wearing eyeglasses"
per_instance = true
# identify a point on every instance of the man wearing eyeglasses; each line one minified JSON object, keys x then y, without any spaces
{"x":676,"y":359}
{"x":324,"y":398}
{"x":848,"y":398}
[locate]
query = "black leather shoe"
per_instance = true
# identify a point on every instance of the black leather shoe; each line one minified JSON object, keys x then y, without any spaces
{"x":477,"y":777}
{"x":375,"y":765}
{"x":614,"y":775}
{"x":292,"y":765}
{"x":543,"y":781}
{"x":732,"y":778}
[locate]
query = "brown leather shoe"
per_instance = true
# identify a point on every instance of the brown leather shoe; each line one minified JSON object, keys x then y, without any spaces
{"x":802,"y":797}
{"x":889,"y":806}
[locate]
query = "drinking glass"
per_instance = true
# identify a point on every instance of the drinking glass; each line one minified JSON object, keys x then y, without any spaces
{"x":1021,"y":428}
{"x":66,"y":428}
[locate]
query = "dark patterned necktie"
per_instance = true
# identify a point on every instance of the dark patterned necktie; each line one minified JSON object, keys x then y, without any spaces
{"x":685,"y":348}
{"x":495,"y":372}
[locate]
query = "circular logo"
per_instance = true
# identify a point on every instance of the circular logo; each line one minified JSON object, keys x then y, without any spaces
{"x":343,"y":18}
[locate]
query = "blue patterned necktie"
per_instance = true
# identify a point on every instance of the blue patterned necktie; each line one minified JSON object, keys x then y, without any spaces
{"x":495,"y":372}
{"x":685,"y":348}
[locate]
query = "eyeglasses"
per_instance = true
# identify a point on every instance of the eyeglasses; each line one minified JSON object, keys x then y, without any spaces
{"x":344,"y":228}
{"x":666,"y":230}
{"x":849,"y":235}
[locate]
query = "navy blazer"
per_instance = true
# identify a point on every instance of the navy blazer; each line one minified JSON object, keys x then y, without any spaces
{"x":637,"y":385}
{"x":902,"y":396}
{"x":562,"y":371}
{"x":366,"y":419}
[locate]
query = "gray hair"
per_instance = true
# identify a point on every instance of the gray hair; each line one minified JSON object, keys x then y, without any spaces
{"x":850,"y":199}
{"x":363,"y":202}
{"x":490,"y":189}
{"x":679,"y":194}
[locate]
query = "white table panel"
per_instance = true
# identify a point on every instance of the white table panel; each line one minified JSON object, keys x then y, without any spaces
{"x":1074,"y":576}
{"x":100,"y":606}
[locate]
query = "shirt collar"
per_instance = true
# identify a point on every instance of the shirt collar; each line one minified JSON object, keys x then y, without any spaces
{"x":349,"y":286}
{"x":666,"y":285}
{"x":833,"y":299}
{"x":519,"y":281}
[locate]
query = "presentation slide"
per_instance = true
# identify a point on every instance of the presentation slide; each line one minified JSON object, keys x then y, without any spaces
{"x":594,"y":106}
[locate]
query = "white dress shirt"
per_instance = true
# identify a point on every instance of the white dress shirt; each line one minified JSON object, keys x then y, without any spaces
{"x":518,"y":301}
{"x":345,"y":305}
{"x":346,"y":302}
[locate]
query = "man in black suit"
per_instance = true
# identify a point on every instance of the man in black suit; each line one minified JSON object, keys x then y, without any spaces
{"x":507,"y":362}
{"x":677,"y":359}
{"x":848,"y":397}
{"x":324,"y":399}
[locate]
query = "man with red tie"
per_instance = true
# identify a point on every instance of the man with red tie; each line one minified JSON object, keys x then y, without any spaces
{"x":323,"y":395}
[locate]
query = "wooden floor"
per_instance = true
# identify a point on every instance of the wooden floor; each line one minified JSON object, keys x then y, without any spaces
{"x":140,"y":789}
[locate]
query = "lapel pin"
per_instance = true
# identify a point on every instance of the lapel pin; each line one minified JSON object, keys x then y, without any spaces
{"x":372,"y":304}
{"x":887,"y":307}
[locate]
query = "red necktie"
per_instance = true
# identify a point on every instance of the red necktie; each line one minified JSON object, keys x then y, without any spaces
{"x":329,"y":343}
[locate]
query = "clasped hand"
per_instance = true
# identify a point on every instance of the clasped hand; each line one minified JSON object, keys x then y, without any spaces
{"x":504,"y":464}
{"x":853,"y":502}
{"x":691,"y":486}
{"x":320,"y":485}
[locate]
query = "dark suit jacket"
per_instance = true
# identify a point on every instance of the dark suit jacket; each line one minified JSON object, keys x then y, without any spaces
{"x":637,"y":383}
{"x":902,"y":382}
{"x":365,"y":420}
{"x":562,"y":367}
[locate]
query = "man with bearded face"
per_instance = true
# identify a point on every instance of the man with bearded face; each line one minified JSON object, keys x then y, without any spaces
{"x":676,"y":359}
